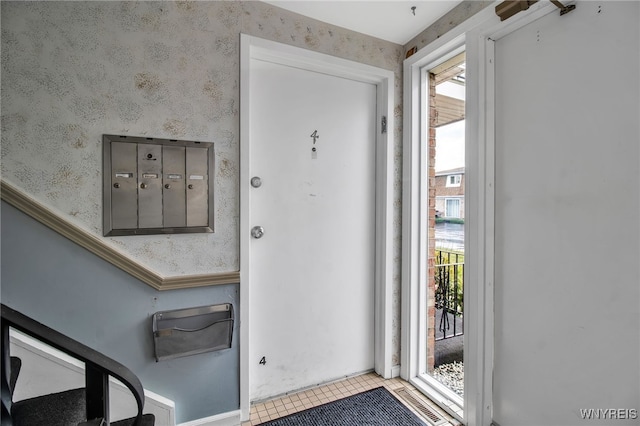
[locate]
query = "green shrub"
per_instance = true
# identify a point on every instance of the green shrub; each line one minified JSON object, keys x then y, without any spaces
{"x":449,"y":220}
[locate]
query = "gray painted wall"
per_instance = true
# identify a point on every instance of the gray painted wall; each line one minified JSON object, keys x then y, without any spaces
{"x":73,"y":291}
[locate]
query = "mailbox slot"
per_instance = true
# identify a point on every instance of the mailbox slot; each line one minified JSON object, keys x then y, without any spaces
{"x":173,"y":192}
{"x":149,"y":186}
{"x":157,"y":186}
{"x":197,"y":187}
{"x":123,"y":186}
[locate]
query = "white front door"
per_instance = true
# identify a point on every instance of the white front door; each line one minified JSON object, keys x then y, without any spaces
{"x":312,"y":146}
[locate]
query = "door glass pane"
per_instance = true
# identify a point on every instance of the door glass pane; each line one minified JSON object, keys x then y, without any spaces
{"x":444,"y":301}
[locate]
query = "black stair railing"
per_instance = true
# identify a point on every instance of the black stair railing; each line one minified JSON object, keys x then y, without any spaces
{"x":98,"y":368}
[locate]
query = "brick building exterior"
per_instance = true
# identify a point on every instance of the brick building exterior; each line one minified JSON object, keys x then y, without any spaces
{"x":449,"y":193}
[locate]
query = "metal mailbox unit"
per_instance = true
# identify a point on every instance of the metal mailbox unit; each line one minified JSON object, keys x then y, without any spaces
{"x":157,"y":186}
{"x":191,"y":331}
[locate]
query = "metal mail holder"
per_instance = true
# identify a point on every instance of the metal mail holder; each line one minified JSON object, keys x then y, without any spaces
{"x":191,"y":331}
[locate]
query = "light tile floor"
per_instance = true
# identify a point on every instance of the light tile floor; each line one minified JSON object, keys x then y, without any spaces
{"x":289,"y":404}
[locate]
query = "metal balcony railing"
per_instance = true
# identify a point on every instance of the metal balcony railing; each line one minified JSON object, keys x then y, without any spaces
{"x":449,"y":290}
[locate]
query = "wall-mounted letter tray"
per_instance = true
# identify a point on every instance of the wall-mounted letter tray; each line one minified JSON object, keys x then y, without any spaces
{"x":191,"y":331}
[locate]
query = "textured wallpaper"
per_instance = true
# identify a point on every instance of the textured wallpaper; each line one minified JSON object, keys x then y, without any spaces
{"x":72,"y":71}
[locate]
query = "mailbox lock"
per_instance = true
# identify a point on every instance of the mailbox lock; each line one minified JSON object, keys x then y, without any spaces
{"x":167,"y":186}
{"x":143,"y":185}
{"x":116,"y":185}
{"x":190,"y":186}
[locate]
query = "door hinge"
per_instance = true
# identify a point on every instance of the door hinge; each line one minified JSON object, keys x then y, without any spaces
{"x":383,"y":124}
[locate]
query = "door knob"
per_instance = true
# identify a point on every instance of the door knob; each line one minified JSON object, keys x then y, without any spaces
{"x":257,"y":232}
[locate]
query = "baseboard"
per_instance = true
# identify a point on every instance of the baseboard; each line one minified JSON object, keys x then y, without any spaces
{"x":395,"y":371}
{"x":230,"y":418}
{"x":65,"y":372}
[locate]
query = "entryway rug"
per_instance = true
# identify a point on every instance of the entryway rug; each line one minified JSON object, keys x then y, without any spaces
{"x":376,"y":407}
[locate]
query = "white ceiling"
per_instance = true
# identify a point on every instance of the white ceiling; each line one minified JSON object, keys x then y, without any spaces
{"x":389,"y":20}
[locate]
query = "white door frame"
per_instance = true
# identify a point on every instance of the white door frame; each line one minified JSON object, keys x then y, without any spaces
{"x":256,"y":48}
{"x":476,"y":36}
{"x":415,"y":222}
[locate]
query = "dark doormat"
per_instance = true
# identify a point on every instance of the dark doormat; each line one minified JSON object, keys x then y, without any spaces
{"x":376,"y":407}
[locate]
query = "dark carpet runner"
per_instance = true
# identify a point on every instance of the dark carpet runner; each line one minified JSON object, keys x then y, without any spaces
{"x":376,"y":407}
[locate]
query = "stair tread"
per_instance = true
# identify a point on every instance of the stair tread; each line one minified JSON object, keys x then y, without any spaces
{"x":62,"y":408}
{"x":147,"y":420}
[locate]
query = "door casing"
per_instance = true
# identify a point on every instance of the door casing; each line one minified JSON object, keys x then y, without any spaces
{"x":257,"y":48}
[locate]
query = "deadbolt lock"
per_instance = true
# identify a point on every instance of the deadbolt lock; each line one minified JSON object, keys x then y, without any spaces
{"x":257,"y":232}
{"x":256,"y":182}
